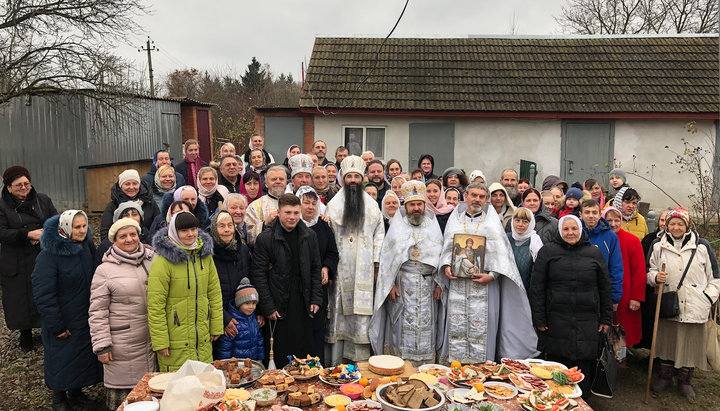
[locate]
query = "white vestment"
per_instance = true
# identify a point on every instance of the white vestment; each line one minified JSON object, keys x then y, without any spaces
{"x":484,"y":322}
{"x":410,"y":255}
{"x":351,"y":296}
{"x":255,"y":216}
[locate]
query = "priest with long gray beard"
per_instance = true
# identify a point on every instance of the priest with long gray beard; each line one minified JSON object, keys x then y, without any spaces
{"x":403,"y":323}
{"x":359,"y":231}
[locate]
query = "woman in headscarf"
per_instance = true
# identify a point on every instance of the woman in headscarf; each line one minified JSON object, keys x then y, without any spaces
{"x":477,"y":176}
{"x":118,"y":311}
{"x":184,"y":296}
{"x":257,"y":164}
{"x":545,"y":225}
{"x":681,"y":342}
{"x":393,"y":168}
{"x":160,"y":223}
{"x":321,"y":185}
{"x":525,"y":243}
{"x":210,"y":192}
{"x":435,"y":202}
{"x":232,"y":261}
{"x":456,"y":178}
{"x":626,"y":200}
{"x":236,"y":205}
{"x":129,"y":188}
{"x":293,"y":150}
{"x":390,"y":205}
{"x":189,"y":195}
{"x":453,"y":196}
{"x":163,"y":183}
{"x":571,"y":299}
{"x":426,"y":164}
{"x":192,"y":163}
{"x":501,"y":202}
{"x":23,"y":211}
{"x":61,"y":286}
{"x":329,"y":257}
{"x":251,"y":186}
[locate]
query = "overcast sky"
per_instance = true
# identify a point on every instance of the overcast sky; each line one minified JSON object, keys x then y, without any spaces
{"x":226,"y":34}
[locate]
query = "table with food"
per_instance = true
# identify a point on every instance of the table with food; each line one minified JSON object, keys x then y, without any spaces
{"x":383,"y":383}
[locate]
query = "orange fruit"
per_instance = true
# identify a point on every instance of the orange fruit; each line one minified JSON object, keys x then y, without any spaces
{"x":479,"y":387}
{"x":393,"y":378}
{"x":340,"y":408}
{"x":363,"y":381}
{"x":455,"y":364}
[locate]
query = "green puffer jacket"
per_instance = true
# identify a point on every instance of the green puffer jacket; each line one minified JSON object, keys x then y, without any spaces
{"x":184,"y":301}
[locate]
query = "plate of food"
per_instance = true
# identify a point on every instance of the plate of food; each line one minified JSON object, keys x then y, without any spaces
{"x":339,"y":375}
{"x":436,"y":370}
{"x":277,"y":382}
{"x":515,"y":366}
{"x":303,"y":369}
{"x":240,"y":372}
{"x":303,"y":397}
{"x":464,"y":396}
{"x":364,"y":405}
{"x":486,"y":406}
{"x":528,"y":382}
{"x":465,"y":377}
{"x":545,"y":400}
{"x":500,"y":390}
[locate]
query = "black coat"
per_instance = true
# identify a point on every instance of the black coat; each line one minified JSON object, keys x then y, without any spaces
{"x":329,"y":258}
{"x":232,"y":266}
{"x":270,"y":273}
{"x":233,"y":188}
{"x":150,"y":209}
{"x":61,"y":285}
{"x":570,"y":294}
{"x":17,"y":255}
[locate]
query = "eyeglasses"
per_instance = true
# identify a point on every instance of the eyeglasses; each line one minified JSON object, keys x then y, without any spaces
{"x":21,"y":185}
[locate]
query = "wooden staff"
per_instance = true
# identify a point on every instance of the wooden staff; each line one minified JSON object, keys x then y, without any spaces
{"x":654,"y":336}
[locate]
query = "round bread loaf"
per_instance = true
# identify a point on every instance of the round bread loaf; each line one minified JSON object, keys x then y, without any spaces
{"x":386,"y":364}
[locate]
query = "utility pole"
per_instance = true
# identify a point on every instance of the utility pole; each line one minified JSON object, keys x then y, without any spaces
{"x":149,"y":56}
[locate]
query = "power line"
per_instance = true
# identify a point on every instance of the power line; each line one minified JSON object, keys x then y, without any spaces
{"x":149,"y":56}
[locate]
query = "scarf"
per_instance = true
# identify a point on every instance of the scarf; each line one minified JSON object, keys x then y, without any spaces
{"x":177,"y":195}
{"x":384,"y":212}
{"x":138,"y":255}
{"x":300,"y":193}
{"x":193,"y":167}
{"x":205,"y":193}
{"x":175,"y":238}
{"x":617,"y":202}
{"x":159,"y":186}
{"x":65,"y":223}
{"x":535,"y":241}
{"x":217,"y":218}
{"x":572,"y":217}
{"x":244,"y":192}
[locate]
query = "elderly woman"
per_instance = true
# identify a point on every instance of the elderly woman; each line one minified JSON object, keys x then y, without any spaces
{"x":184,"y":295}
{"x":192,"y":163}
{"x":454,"y":177}
{"x":236,"y":205}
{"x":160,"y":223}
{"x":232,"y":261}
{"x":210,"y":192}
{"x":546,"y":225}
{"x":23,"y":211}
{"x":390,"y":205}
{"x":681,"y":343}
{"x":435,"y":202}
{"x":525,"y":243}
{"x":329,"y":257}
{"x":570,"y":299}
{"x":321,"y":185}
{"x":189,"y":195}
{"x":501,"y":202}
{"x":128,"y":209}
{"x":129,"y":188}
{"x":477,"y":176}
{"x":118,"y":311}
{"x":163,"y":183}
{"x":251,"y":186}
{"x":634,"y":278}
{"x":61,"y":285}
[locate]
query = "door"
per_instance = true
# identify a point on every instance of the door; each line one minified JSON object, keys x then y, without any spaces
{"x":587,"y":150}
{"x":203,"y":134}
{"x":281,"y":133}
{"x":436,"y":139}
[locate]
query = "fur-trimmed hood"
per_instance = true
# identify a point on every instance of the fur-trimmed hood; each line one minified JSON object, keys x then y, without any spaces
{"x":165,"y":247}
{"x":51,"y":241}
{"x":200,"y":211}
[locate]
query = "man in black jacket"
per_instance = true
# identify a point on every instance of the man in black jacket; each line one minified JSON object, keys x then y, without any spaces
{"x":287,"y":275}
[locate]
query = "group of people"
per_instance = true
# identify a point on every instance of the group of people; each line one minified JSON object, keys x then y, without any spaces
{"x":342,"y":259}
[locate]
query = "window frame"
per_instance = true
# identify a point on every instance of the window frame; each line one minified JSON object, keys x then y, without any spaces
{"x":364,"y":138}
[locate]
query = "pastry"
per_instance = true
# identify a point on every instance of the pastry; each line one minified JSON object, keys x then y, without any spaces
{"x":386,"y":364}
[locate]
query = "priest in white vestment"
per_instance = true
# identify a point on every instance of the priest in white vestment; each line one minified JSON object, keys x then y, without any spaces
{"x":488,"y":316}
{"x":359,"y":231}
{"x":404,"y":318}
{"x":263,"y":211}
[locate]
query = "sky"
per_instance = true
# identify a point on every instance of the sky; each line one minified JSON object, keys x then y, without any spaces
{"x":224,"y":35}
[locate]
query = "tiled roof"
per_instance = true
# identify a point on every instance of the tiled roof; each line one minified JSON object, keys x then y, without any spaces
{"x":569,"y":75}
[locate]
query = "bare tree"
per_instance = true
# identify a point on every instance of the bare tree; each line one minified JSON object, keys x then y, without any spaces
{"x":51,"y":45}
{"x":639,"y":16}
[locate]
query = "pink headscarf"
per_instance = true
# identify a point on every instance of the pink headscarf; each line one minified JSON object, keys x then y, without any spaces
{"x":244,"y":192}
{"x":442,"y":207}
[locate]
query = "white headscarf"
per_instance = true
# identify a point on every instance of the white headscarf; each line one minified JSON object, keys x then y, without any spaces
{"x":535,"y":241}
{"x":309,"y":190}
{"x":384,"y":212}
{"x":173,"y":234}
{"x":65,"y":223}
{"x":572,"y":217}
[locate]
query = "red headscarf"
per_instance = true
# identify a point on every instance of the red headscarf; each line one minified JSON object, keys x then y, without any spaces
{"x":244,"y":192}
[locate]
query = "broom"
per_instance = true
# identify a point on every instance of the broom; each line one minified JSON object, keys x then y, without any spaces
{"x":271,"y":355}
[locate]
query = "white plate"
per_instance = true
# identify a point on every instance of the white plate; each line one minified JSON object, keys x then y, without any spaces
{"x":430,"y":366}
{"x":501,"y":384}
{"x":334,"y":384}
{"x":142,"y":405}
{"x":160,"y":382}
{"x":300,"y":377}
{"x":524,"y":390}
{"x":450,"y":395}
{"x":531,"y":361}
{"x":353,"y":405}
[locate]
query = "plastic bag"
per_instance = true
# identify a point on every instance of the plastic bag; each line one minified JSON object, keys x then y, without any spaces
{"x":195,"y":386}
{"x":712,"y":335}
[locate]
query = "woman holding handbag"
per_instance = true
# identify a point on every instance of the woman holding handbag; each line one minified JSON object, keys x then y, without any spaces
{"x":681,"y":344}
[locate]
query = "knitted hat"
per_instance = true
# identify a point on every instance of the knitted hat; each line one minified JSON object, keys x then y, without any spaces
{"x":124,"y":206}
{"x":13,"y":173}
{"x":120,"y":224}
{"x":617,"y":201}
{"x":245,"y":293}
{"x":413,"y":190}
{"x":475,"y":174}
{"x":301,"y":163}
{"x":679,"y":212}
{"x":128,"y":175}
{"x":352,"y":164}
{"x":619,"y":173}
{"x":575,"y":193}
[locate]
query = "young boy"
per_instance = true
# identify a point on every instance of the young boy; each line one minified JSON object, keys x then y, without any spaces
{"x":572,"y":203}
{"x":248,"y":343}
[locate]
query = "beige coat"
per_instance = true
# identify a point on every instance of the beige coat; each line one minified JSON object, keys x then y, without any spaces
{"x":699,"y":289}
{"x":118,"y":316}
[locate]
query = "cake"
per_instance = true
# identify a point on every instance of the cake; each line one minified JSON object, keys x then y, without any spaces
{"x":386,"y":364}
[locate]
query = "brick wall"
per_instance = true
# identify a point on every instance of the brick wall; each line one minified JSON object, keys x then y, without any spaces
{"x":188,"y":121}
{"x":308,"y":132}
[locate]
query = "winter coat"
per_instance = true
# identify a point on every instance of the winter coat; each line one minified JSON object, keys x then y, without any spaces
{"x":232,"y":188}
{"x":117,"y":196}
{"x":249,"y":341}
{"x":329,"y":258}
{"x":270,"y":272}
{"x":17,"y":255}
{"x":182,"y":169}
{"x":149,"y":178}
{"x":105,"y":245}
{"x":118,"y":316}
{"x":636,"y":226}
{"x":546,"y":226}
{"x":268,"y":157}
{"x":61,"y":285}
{"x":570,"y":294}
{"x":232,"y":266}
{"x":184,"y":301}
{"x":699,"y":289}
{"x":603,"y":238}
{"x":633,"y":286}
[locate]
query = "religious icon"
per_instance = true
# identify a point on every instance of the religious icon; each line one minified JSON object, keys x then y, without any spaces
{"x":468,"y":255}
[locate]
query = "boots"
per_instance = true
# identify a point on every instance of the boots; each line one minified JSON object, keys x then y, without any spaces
{"x":78,"y":398}
{"x":60,"y":402}
{"x":26,"y":341}
{"x":664,"y":379}
{"x":685,"y":375}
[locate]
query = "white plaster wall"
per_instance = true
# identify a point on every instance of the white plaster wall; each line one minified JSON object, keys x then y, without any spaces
{"x":646,"y":140}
